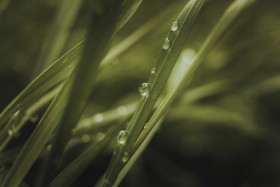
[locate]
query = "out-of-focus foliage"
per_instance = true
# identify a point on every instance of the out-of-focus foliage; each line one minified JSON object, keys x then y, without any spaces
{"x":223,"y":130}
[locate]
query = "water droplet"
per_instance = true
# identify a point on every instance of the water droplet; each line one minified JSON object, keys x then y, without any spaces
{"x":17,"y":113}
{"x":98,"y":117}
{"x":122,"y":110}
{"x":122,"y":137}
{"x":144,"y":89}
{"x":85,"y":138}
{"x":146,"y":125}
{"x":166,"y":44}
{"x":153,"y":74}
{"x":100,"y":136}
{"x":174,"y":26}
{"x":10,"y":132}
{"x":125,"y":157}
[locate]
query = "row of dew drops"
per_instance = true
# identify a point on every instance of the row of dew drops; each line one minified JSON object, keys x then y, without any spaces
{"x":144,"y":90}
{"x":145,"y":87}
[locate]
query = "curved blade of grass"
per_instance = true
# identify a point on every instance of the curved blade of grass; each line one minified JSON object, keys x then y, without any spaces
{"x":38,"y":139}
{"x":14,"y":128}
{"x":100,"y":33}
{"x":40,"y":135}
{"x":63,"y":67}
{"x":46,"y":80}
{"x":45,"y":127}
{"x":59,"y":71}
{"x":59,"y":32}
{"x":230,"y":15}
{"x":165,"y":62}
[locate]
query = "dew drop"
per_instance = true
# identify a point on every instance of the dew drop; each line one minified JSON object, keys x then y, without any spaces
{"x":122,"y":137}
{"x":85,"y":138}
{"x":174,"y":26}
{"x":125,"y":157}
{"x":122,"y":110}
{"x":144,"y":89}
{"x":17,"y":113}
{"x":145,"y":126}
{"x":153,"y":73}
{"x":100,"y":136}
{"x":166,"y":44}
{"x":98,"y":117}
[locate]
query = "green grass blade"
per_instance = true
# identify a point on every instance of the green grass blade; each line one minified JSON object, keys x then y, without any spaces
{"x":101,"y":33}
{"x":232,"y":12}
{"x":46,"y":80}
{"x":10,"y":130}
{"x":58,"y":72}
{"x":56,"y":38}
{"x":38,"y":139}
{"x":235,"y":10}
{"x":165,"y":62}
{"x":64,"y":66}
{"x":127,"y":10}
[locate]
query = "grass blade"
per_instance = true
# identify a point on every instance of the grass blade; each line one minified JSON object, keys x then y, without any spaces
{"x":46,"y":80}
{"x":229,"y":16}
{"x":23,"y":117}
{"x":38,"y":139}
{"x":234,"y":10}
{"x":100,"y":33}
{"x":165,"y":62}
{"x":58,"y":72}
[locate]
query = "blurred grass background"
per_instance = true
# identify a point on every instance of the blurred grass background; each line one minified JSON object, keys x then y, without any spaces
{"x":227,"y":138}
